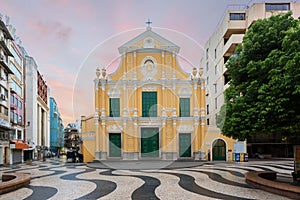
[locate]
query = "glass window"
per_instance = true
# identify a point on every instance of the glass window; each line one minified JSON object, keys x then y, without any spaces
{"x":15,"y":70}
{"x":207,"y":66}
{"x":6,"y":93}
{"x":16,"y":56}
{"x":215,"y":53}
{"x":184,"y":107}
{"x":215,"y":86}
{"x":19,"y":134}
{"x":216,"y":103}
{"x":207,"y":53}
{"x":149,"y":104}
{"x":237,"y":16}
{"x":6,"y":111}
{"x":11,"y":116}
{"x":114,"y":107}
{"x":16,"y":116}
{"x":15,"y":87}
{"x":277,"y":6}
{"x":207,"y":108}
{"x":20,"y":120}
{"x":12,"y":99}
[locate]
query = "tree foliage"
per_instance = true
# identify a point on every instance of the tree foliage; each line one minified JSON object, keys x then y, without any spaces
{"x":264,"y":92}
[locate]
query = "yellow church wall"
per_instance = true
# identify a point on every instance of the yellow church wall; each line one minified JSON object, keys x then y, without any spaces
{"x":88,"y":137}
{"x":171,"y":83}
{"x":210,"y":136}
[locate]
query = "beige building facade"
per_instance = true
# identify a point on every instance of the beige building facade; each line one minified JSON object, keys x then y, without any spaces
{"x":150,"y":108}
{"x":222,"y":44}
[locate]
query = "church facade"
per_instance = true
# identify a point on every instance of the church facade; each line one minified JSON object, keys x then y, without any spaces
{"x":150,"y":108}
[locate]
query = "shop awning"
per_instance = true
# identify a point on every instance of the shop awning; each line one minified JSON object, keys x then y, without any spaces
{"x":18,"y":144}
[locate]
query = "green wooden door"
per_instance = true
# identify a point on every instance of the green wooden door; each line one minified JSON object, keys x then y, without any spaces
{"x":219,"y":150}
{"x":150,"y":142}
{"x":185,"y":145}
{"x":115,"y":145}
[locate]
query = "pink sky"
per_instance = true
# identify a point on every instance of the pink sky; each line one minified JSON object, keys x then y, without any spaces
{"x":70,"y":38}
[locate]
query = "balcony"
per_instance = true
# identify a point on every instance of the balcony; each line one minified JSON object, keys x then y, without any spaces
{"x":231,"y":44}
{"x":5,"y":48}
{"x":229,"y":27}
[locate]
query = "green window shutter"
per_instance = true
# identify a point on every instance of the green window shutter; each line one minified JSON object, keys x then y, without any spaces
{"x":184,"y":107}
{"x":114,"y":107}
{"x":149,"y":104}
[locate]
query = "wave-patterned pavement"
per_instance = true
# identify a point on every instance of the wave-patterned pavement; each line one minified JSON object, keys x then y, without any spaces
{"x":57,"y":180}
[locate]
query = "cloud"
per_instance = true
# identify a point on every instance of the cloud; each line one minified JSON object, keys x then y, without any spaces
{"x":51,"y":29}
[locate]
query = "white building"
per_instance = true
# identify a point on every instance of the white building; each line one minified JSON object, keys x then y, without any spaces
{"x":221,"y":45}
{"x":37,"y":110}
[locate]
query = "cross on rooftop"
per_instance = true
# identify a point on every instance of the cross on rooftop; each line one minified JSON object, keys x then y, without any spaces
{"x":148,"y":22}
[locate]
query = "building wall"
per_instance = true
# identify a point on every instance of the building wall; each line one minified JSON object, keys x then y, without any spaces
{"x":17,"y":93}
{"x":88,"y":137}
{"x":31,"y":101}
{"x":5,"y":72}
{"x":56,"y":128}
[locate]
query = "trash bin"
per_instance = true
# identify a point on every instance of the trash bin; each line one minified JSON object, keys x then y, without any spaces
{"x":237,"y":157}
{"x":246,"y":157}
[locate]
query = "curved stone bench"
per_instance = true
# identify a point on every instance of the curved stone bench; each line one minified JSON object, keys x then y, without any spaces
{"x":13,"y":181}
{"x":265,"y":180}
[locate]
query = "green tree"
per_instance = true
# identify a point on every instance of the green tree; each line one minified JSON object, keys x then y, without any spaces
{"x":264,"y":92}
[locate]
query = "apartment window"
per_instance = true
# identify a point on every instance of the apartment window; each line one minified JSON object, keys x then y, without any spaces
{"x":19,"y":134}
{"x":114,"y":107}
{"x":16,"y":117}
{"x":277,"y":6}
{"x":207,"y":80}
{"x":207,"y":53}
{"x":12,"y":99}
{"x":207,"y":66}
{"x":16,"y":56}
{"x":215,"y":53}
{"x":237,"y":16}
{"x":184,"y":107}
{"x":207,"y":109}
{"x":149,"y":104}
{"x":216,"y":69}
{"x":16,"y":71}
{"x":5,"y":111}
{"x":15,"y":87}
{"x":216,"y":103}
{"x":11,"y":116}
{"x":6,"y":93}
{"x":215,"y":86}
{"x":20,"y":120}
{"x":207,"y":121}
